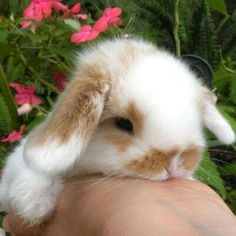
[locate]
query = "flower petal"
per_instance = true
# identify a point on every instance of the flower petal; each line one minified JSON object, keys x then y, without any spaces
{"x":35,"y":100}
{"x":59,"y":6}
{"x":14,"y":135}
{"x":112,"y":12}
{"x":18,"y":87}
{"x":101,"y":24}
{"x":93,"y":34}
{"x":76,"y":8}
{"x":29,"y":12}
{"x":22,"y":98}
{"x":46,"y":10}
{"x":82,"y":16}
{"x":82,"y":35}
{"x":25,"y":23}
{"x":59,"y":80}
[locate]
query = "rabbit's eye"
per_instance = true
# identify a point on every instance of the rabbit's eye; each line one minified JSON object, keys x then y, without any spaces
{"x":124,"y":124}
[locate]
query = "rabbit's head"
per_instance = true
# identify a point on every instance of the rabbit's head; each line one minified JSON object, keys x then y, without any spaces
{"x":130,"y":110}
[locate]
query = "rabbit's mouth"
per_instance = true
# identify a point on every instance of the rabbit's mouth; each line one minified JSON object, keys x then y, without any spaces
{"x":160,"y":166}
{"x":162,"y":176}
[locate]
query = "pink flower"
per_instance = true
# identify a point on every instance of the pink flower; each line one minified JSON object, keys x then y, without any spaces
{"x":60,"y":80}
{"x":75,"y":11}
{"x":39,"y":9}
{"x":101,"y":25}
{"x":86,"y":33}
{"x":76,"y":8}
{"x":14,"y":135}
{"x":28,"y":23}
{"x":25,"y":23}
{"x":81,"y":16}
{"x":110,"y":17}
{"x":56,"y":5}
{"x":25,"y":94}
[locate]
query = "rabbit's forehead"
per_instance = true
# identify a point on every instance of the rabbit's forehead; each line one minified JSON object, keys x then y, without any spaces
{"x":163,"y":104}
{"x":156,"y":80}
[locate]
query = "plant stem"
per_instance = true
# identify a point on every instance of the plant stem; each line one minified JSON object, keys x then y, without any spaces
{"x":222,"y":23}
{"x":223,"y":63}
{"x":34,"y":72}
{"x":59,"y":61}
{"x":176,"y":28}
{"x":8,"y":98}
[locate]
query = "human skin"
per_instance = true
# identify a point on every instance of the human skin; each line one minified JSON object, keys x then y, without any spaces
{"x":98,"y":206}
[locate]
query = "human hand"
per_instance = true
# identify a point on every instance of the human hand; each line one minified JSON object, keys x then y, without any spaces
{"x":102,"y":206}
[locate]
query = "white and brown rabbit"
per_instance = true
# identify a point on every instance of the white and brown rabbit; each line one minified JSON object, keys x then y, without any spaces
{"x":130,"y":110}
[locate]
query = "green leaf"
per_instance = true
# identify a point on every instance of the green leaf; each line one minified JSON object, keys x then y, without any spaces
{"x":218,"y":5}
{"x":37,"y":120}
{"x":38,"y":38}
{"x":3,"y":153}
{"x":228,"y":170}
{"x":8,"y":98}
{"x":49,"y":28}
{"x":5,"y":49}
{"x":233,"y":90}
{"x":58,"y":33}
{"x":221,"y":77}
{"x":73,"y":23}
{"x":5,"y":117}
{"x":3,"y":35}
{"x":67,"y":52}
{"x":208,"y":173}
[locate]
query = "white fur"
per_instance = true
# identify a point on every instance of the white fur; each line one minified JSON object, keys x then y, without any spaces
{"x":30,"y":193}
{"x":53,"y":158}
{"x":215,"y":122}
{"x":165,"y":91}
{"x":177,"y":170}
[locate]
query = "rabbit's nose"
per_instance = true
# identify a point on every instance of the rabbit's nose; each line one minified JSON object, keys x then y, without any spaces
{"x":154,"y":161}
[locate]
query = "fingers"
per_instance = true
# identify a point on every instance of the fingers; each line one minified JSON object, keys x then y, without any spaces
{"x":13,"y":224}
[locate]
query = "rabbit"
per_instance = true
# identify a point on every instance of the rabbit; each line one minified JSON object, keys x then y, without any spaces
{"x":130,"y":109}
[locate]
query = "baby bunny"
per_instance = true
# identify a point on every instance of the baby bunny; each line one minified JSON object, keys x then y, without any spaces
{"x":131,"y":109}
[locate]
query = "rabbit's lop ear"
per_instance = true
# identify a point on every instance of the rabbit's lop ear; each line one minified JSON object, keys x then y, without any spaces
{"x":54,"y":146}
{"x":214,"y":121}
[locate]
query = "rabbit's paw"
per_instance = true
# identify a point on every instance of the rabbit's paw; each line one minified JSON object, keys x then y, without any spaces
{"x":33,"y":200}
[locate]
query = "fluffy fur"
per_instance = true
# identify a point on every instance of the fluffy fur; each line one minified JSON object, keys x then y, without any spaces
{"x":129,"y":78}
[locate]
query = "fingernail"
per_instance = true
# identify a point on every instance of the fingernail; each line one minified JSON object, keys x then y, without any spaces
{"x":6,"y":226}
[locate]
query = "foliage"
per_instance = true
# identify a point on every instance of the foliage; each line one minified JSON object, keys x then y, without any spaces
{"x":202,"y":27}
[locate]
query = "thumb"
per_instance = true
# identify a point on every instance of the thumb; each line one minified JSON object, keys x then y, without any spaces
{"x":13,"y":224}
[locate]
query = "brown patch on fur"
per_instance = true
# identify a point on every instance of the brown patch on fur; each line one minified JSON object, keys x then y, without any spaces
{"x":94,"y":70}
{"x":121,"y":139}
{"x":121,"y":142}
{"x":136,"y":117}
{"x":155,"y":161}
{"x":191,"y":157}
{"x":127,"y":57}
{"x":115,"y":137}
{"x":130,"y":53}
{"x":77,"y":110}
